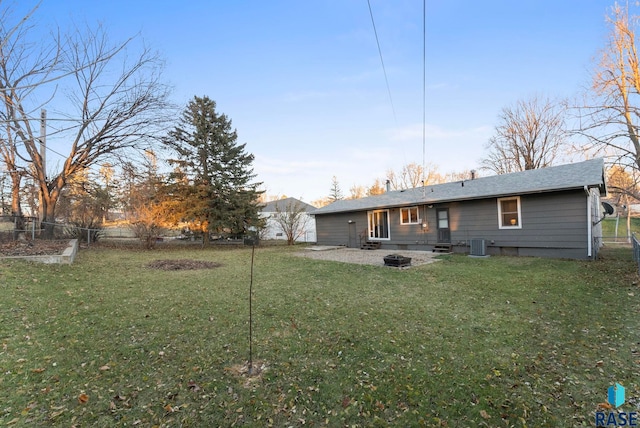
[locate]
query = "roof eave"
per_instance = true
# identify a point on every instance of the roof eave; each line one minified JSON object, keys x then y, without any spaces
{"x":600,"y":186}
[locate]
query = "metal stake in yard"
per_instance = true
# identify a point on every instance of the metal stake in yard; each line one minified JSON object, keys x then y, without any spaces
{"x":250,"y":369}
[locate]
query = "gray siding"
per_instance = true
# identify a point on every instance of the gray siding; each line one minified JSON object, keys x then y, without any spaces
{"x":553,"y":225}
{"x":334,"y":229}
{"x":552,"y":220}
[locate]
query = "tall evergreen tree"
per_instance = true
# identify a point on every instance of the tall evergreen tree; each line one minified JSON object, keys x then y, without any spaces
{"x":215,"y":183}
{"x":335,"y":194}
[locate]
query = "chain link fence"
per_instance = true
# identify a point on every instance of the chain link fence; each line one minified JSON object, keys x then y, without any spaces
{"x":636,"y":250}
{"x":616,"y":240}
{"x":14,"y":227}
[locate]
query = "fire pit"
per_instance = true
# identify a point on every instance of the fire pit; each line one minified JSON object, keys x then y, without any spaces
{"x":396,"y":260}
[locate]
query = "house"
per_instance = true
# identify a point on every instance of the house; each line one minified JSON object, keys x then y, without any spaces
{"x":307,"y":223}
{"x":550,"y":212}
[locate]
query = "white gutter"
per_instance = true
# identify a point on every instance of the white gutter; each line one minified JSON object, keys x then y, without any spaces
{"x":589,"y":223}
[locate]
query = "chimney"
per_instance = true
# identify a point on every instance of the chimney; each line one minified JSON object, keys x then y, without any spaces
{"x":473,"y":174}
{"x":388,"y":186}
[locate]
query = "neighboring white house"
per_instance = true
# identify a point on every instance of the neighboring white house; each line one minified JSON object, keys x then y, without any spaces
{"x":273,"y":229}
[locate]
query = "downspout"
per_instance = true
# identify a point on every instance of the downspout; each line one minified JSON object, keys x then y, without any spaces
{"x":589,"y":223}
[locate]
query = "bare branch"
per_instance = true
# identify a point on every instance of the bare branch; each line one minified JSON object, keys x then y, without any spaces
{"x":292,"y":219}
{"x":610,"y":119}
{"x":530,"y":135}
{"x":115,"y":100}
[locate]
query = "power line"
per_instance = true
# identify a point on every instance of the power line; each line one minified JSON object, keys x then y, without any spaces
{"x":49,"y":149}
{"x":382,"y":62}
{"x":424,"y":91}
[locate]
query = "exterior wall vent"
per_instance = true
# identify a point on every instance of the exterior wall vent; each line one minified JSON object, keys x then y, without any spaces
{"x":478,"y":247}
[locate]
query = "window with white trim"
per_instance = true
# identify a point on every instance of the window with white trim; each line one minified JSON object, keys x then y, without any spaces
{"x":509,"y":213}
{"x":409,"y":215}
{"x":378,"y":224}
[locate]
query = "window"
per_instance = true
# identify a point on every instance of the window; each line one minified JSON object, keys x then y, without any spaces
{"x":509,"y":216}
{"x":409,"y":215}
{"x":378,"y":224}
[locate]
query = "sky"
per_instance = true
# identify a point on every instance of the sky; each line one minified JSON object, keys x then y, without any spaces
{"x":303,"y":83}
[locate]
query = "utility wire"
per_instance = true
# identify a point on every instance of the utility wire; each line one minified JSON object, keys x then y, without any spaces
{"x":424,"y":91}
{"x":382,"y":62}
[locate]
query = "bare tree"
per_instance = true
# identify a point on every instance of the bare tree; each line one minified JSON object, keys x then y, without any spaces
{"x":377,"y":188}
{"x":322,"y":202}
{"x":393,"y":181}
{"x":410,"y":176}
{"x":292,"y":219}
{"x":529,"y":135}
{"x":610,"y":118}
{"x":357,"y":192}
{"x":115,"y":102}
{"x":3,"y":193}
{"x":106,"y":174}
{"x":413,"y":175}
{"x":24,"y":77}
{"x":461,"y":175}
{"x":622,"y":185}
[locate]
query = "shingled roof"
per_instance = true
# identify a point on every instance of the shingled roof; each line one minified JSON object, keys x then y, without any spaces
{"x":284,"y":204}
{"x":588,"y":173}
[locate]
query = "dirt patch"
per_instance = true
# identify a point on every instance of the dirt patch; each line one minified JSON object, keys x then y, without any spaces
{"x":182,"y":264}
{"x":249,"y":378}
{"x":32,"y":248}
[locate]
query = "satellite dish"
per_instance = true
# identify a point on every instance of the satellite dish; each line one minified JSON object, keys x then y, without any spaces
{"x":608,"y":208}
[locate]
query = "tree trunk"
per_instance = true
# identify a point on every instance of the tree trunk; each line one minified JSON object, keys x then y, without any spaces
{"x":48,"y":201}
{"x":16,"y":207}
{"x":206,"y":234}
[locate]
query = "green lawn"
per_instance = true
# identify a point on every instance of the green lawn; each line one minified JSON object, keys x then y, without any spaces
{"x":461,"y":342}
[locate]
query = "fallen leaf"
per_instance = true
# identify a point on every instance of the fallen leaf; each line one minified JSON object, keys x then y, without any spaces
{"x":38,"y":370}
{"x":604,"y":406}
{"x":56,"y":413}
{"x":29,"y":407}
{"x":83,"y":398}
{"x":484,"y":414}
{"x":104,"y":368}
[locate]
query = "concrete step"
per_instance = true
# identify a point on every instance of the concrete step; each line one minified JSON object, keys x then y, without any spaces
{"x":370,"y":246}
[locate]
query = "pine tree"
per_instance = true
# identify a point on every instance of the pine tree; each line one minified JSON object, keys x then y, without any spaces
{"x":216,"y":188}
{"x":335,"y":194}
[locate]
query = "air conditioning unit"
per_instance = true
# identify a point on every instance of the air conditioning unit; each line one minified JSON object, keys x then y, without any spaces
{"x":478,"y":247}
